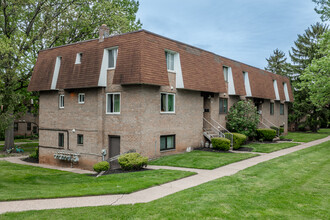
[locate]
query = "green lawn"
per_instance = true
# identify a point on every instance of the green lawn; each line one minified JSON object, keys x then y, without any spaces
{"x":21,"y":140}
{"x":308,"y":136}
{"x":295,"y":186}
{"x":28,"y":182}
{"x":201,"y":159}
{"x":28,"y":149}
{"x":267,"y":148}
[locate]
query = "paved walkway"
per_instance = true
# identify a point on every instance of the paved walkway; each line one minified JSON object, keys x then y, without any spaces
{"x":153,"y":193}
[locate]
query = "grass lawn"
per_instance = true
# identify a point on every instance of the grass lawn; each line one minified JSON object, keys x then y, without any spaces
{"x":28,"y":182}
{"x":308,"y":136}
{"x":295,"y":186}
{"x":267,"y":148}
{"x":201,"y":159}
{"x":28,"y":149}
{"x":21,"y":140}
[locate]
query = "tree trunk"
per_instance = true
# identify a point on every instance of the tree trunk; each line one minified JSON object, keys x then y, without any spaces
{"x":9,"y":137}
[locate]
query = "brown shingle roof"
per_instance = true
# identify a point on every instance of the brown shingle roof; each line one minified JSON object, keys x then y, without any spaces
{"x":141,"y":60}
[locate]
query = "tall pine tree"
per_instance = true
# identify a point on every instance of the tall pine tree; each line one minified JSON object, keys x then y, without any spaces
{"x":277,"y":63}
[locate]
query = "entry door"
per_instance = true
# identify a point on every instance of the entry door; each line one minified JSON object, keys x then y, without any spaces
{"x":114,"y":150}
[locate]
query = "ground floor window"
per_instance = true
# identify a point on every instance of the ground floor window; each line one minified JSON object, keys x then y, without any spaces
{"x":15,"y":126}
{"x":61,"y":139}
{"x":80,"y":139}
{"x":113,"y":103}
{"x":223,"y":106}
{"x":281,"y":109}
{"x":28,"y":126}
{"x":167,"y":142}
{"x":167,"y":102}
{"x":271,"y":108}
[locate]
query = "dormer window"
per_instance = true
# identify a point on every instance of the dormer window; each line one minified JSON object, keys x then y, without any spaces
{"x":78,"y":58}
{"x":225,"y":73}
{"x":112,"y":58}
{"x":169,"y":60}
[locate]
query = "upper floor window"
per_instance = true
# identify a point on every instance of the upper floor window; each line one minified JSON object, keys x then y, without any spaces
{"x":167,"y":102}
{"x":169,"y":60}
{"x":281,"y":109}
{"x":61,"y":101}
{"x":78,"y":58}
{"x":223,"y":106}
{"x":112,"y":58}
{"x":271,"y":107}
{"x":81,"y":98}
{"x":113,"y":103}
{"x":225,"y":73}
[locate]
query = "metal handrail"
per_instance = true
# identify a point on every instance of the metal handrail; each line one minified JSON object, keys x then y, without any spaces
{"x":277,"y":130}
{"x":220,"y":132}
{"x":227,"y":132}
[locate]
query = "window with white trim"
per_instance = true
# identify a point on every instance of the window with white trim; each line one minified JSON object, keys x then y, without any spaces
{"x":113,"y":103}
{"x":169,"y":60}
{"x":61,"y":101}
{"x":167,"y":103}
{"x":225,"y":73}
{"x":81,"y":98}
{"x":112,"y":58}
{"x":167,"y":142}
{"x":78,"y":58}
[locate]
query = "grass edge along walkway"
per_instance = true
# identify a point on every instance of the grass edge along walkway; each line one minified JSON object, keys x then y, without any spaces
{"x":152,"y":193}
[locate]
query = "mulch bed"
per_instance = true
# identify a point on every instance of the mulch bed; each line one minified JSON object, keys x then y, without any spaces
{"x":115,"y":171}
{"x":30,"y":160}
{"x":211,"y":150}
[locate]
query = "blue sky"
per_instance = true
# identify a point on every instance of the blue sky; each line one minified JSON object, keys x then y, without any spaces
{"x":243,"y":30}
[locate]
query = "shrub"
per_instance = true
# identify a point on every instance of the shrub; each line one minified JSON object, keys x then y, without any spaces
{"x":239,"y":139}
{"x":221,"y":143}
{"x":243,"y":118}
{"x":35,"y":155}
{"x":266,"y":134}
{"x":132,"y":161}
{"x":101,"y":166}
{"x":281,"y":130}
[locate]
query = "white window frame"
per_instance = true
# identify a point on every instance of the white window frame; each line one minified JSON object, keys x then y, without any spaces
{"x":78,"y":58}
{"x":172,"y":53}
{"x":167,"y":112}
{"x":115,"y":57}
{"x":106,"y":103}
{"x":79,"y":100}
{"x":223,"y":69}
{"x":60,"y":104}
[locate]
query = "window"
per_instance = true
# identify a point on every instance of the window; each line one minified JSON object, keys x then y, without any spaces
{"x":80,"y":139}
{"x":34,"y":129}
{"x":61,"y":101}
{"x":223,"y":106}
{"x":225,"y":73}
{"x":167,"y":102}
{"x":81,"y":98}
{"x":167,"y":142}
{"x":271,"y":107}
{"x":78,"y":58}
{"x":281,"y":109}
{"x":112,"y":57}
{"x":15,"y":126}
{"x":113,"y":103}
{"x":169,"y":60}
{"x":28,"y":126}
{"x":61,"y":139}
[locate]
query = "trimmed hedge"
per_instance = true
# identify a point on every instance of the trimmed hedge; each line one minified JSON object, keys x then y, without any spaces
{"x":132,"y":161}
{"x":266,"y":134}
{"x":221,"y":143}
{"x":101,"y":166}
{"x":239,"y":139}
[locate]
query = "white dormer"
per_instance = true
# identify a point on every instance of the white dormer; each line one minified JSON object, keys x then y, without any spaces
{"x":277,"y":96}
{"x":228,"y":76}
{"x":109,"y":61}
{"x":173,"y":65}
{"x":286,"y":93}
{"x":56,"y":72}
{"x":247,"y":84}
{"x":78,"y":58}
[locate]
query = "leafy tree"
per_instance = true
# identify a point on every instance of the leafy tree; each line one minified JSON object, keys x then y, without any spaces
{"x":243,"y":118}
{"x":27,"y":26}
{"x":324,"y":9}
{"x":277,"y":63}
{"x":307,"y":49}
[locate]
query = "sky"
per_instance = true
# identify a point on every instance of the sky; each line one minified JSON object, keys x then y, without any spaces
{"x":244,"y":30}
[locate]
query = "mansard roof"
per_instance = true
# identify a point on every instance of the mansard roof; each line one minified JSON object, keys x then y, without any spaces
{"x":141,"y":60}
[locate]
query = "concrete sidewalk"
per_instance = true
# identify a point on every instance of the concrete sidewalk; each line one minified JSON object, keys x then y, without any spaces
{"x":153,"y":193}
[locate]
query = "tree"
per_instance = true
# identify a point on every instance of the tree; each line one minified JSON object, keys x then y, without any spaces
{"x":277,"y":63}
{"x":243,"y":118}
{"x":306,"y":50}
{"x":29,"y":26}
{"x":324,"y":9}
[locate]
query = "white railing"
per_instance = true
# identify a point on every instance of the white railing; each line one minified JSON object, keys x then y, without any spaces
{"x":227,"y":133}
{"x":269,"y":126}
{"x":218,"y":131}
